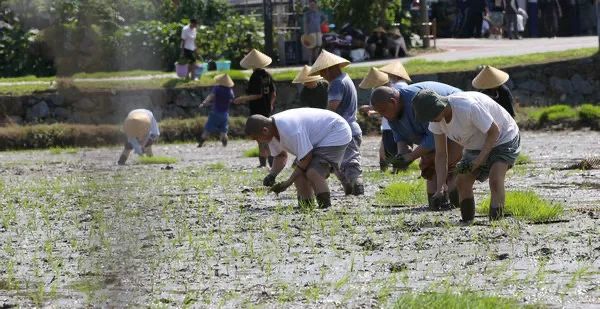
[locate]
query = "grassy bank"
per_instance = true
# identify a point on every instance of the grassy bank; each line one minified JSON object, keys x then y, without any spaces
{"x":186,"y":130}
{"x":157,"y":79}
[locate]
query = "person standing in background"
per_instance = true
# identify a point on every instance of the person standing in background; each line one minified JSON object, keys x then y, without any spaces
{"x":188,"y":46}
{"x":551,"y":12}
{"x":532,"y":21}
{"x":510,"y":19}
{"x":476,"y":9}
{"x":313,"y":18}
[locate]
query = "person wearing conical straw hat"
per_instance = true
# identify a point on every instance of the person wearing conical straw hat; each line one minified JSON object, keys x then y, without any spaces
{"x":489,"y":135}
{"x":413,"y":138}
{"x":492,"y":82}
{"x":377,"y":44}
{"x":141,"y":131}
{"x":342,"y":99}
{"x":387,"y":146}
{"x":314,"y":89}
{"x":221,"y":97}
{"x":261,"y":94}
{"x":395,"y":76}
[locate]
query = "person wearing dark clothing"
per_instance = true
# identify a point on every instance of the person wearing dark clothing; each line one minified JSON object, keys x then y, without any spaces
{"x":314,"y":89}
{"x":510,"y":19}
{"x":551,"y":12}
{"x":532,"y":21}
{"x":261,"y":94}
{"x":475,"y":11}
{"x":492,"y":82}
{"x":377,"y":44}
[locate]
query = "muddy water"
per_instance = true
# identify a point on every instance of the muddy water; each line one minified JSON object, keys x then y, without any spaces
{"x":76,"y":230}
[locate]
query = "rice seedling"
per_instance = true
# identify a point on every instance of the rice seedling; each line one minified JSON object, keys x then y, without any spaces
{"x":526,"y":205}
{"x":450,"y":300}
{"x":59,"y":150}
{"x":523,"y":159}
{"x":157,"y":160}
{"x":251,"y":153}
{"x":402,"y":193}
{"x":216,"y":166}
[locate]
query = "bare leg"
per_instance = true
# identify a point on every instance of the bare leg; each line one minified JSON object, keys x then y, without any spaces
{"x":496,"y":182}
{"x":224,"y":139}
{"x":318,"y":179}
{"x":124,"y":156}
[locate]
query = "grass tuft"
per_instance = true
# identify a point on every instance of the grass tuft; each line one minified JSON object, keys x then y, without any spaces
{"x":216,"y":166}
{"x":157,"y":160}
{"x":449,"y":300}
{"x":59,"y":150}
{"x":252,"y":153}
{"x":523,"y":159}
{"x":403,"y":193}
{"x":527,"y":205}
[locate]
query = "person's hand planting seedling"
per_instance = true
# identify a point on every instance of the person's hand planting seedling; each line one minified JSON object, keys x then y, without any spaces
{"x":269,"y":181}
{"x":280,"y":187}
{"x":441,"y":202}
{"x":400,"y":161}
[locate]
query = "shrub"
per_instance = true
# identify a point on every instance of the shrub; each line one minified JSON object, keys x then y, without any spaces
{"x":527,"y":205}
{"x":589,"y":112}
{"x":555,"y":113}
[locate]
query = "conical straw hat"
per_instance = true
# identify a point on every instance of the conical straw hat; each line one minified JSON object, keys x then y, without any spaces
{"x":375,"y":78}
{"x":223,"y":80}
{"x":327,"y":60}
{"x":137,"y":125}
{"x":490,"y":77}
{"x":379,"y":29}
{"x":303,"y":76}
{"x":255,"y":60}
{"x":309,"y":40}
{"x":396,"y":68}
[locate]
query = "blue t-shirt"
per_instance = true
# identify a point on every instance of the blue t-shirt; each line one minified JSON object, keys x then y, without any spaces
{"x":223,"y":98}
{"x":342,"y":89}
{"x":406,"y":128}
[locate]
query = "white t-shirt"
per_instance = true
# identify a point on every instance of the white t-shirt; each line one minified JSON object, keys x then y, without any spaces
{"x":303,"y":129}
{"x":188,"y":35}
{"x":472,"y":115}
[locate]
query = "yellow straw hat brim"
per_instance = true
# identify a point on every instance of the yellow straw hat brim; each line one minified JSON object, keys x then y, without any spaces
{"x":309,"y":40}
{"x":255,"y":60}
{"x":374,"y":78}
{"x":137,"y":125}
{"x":327,"y":60}
{"x":303,"y":77}
{"x":396,"y":68}
{"x":490,"y":77}
{"x":224,"y":80}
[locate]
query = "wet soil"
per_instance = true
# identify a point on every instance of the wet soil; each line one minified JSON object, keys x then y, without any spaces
{"x":78,"y":230}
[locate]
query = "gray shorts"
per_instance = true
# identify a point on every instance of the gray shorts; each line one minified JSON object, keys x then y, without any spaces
{"x":507,"y":152}
{"x":327,"y":159}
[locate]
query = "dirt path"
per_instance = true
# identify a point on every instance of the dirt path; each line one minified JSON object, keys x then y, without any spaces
{"x":76,"y":230}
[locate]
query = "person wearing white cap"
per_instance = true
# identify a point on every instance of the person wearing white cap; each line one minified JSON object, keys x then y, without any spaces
{"x":222,"y":96}
{"x":343,"y":100}
{"x":489,"y":135}
{"x":141,"y":130}
{"x":492,"y":82}
{"x":261,"y":94}
{"x":314,"y":89}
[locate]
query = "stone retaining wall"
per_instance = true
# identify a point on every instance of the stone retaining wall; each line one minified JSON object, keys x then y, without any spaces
{"x":571,"y":82}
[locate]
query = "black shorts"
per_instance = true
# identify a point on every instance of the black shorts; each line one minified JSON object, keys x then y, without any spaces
{"x":189,"y":55}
